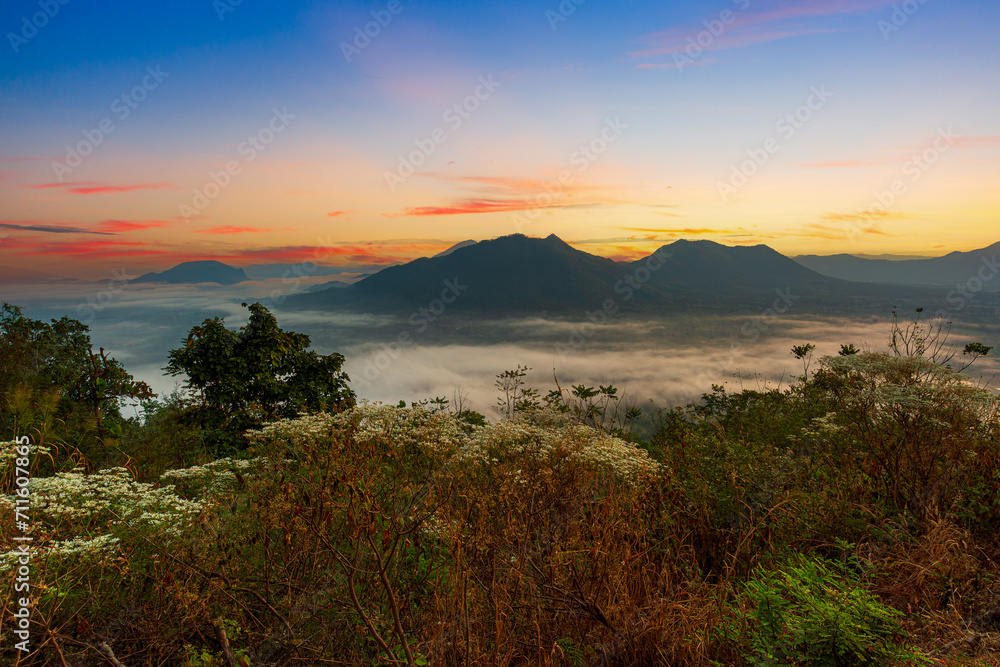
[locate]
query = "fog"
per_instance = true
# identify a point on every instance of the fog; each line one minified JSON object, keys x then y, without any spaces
{"x":670,"y":361}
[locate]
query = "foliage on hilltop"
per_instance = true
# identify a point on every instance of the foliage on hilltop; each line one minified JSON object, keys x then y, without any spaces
{"x":849,"y":519}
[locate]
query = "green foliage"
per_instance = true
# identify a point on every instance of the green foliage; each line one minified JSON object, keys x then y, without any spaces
{"x":571,"y":651}
{"x":55,"y":387}
{"x":811,"y":612}
{"x":379,"y":535}
{"x":260,"y":373}
{"x":515,"y":397}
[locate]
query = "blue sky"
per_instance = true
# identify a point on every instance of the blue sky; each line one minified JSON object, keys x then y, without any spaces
{"x":898,"y":75}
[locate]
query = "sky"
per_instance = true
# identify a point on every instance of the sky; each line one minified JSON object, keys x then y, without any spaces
{"x":139,"y":135}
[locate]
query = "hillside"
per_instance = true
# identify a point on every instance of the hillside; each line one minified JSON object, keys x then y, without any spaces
{"x":515,"y":275}
{"x":946,"y":271}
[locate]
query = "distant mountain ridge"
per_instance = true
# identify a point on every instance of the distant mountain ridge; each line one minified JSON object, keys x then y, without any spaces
{"x":202,"y":271}
{"x":521,"y":276}
{"x":953,"y":269}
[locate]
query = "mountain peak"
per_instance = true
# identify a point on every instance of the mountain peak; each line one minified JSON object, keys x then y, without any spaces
{"x":197,"y":271}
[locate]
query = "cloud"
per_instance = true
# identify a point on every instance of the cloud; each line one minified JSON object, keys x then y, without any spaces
{"x":117,"y":226}
{"x":69,"y":184}
{"x":678,"y":43}
{"x":103,"y":189}
{"x":786,"y":19}
{"x":337,"y":214}
{"x":863,"y":215}
{"x":979,"y":141}
{"x":91,"y":188}
{"x":821,"y":231}
{"x":469,"y":206}
{"x":497,"y":194}
{"x":91,"y":249}
{"x":230,"y":230}
{"x":843,"y":163}
{"x":697,"y":63}
{"x":686,"y":230}
{"x":29,"y":226}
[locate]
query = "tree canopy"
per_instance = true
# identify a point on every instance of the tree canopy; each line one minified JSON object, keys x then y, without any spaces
{"x":52,"y":381}
{"x":242,"y":379}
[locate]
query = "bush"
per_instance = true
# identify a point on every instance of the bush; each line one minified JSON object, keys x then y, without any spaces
{"x":813,"y":613}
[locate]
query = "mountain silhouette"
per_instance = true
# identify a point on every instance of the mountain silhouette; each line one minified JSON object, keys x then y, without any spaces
{"x":516,"y":276}
{"x":956,"y":268}
{"x":204,"y":271}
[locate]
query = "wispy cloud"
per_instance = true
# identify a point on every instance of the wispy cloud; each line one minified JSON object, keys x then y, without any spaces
{"x":782,"y":20}
{"x":836,"y":165}
{"x":686,"y":230}
{"x":228,"y":229}
{"x":118,"y":226}
{"x":29,"y":226}
{"x":978,"y":141}
{"x":864,"y":215}
{"x":91,"y":249}
{"x":69,"y":184}
{"x":468,"y":206}
{"x":92,"y":188}
{"x":338,"y":214}
{"x":498,"y":194}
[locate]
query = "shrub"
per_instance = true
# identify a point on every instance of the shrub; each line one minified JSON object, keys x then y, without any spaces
{"x":810,"y":612}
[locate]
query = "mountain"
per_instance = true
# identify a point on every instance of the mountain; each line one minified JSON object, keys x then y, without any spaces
{"x":205,"y":271}
{"x":268,"y":271}
{"x":455,"y":247}
{"x":956,"y":268}
{"x":520,"y":276}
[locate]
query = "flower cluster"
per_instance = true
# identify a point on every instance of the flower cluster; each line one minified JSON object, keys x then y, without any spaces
{"x":557,"y":445}
{"x":212,"y":477}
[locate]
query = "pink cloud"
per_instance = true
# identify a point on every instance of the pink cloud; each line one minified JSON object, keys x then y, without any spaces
{"x":91,"y":188}
{"x":229,"y":229}
{"x":117,"y":226}
{"x":749,"y":29}
{"x":103,"y":189}
{"x":469,"y":206}
{"x":71,"y":184}
{"x":978,"y":141}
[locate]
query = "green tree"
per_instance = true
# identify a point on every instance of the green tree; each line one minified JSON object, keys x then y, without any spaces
{"x":54,"y":385}
{"x":260,"y":373}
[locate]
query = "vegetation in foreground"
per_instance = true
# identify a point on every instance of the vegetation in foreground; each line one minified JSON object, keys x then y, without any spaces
{"x":850,"y":519}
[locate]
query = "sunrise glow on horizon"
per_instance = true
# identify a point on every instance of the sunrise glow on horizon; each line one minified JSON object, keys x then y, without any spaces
{"x":144,"y":136}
